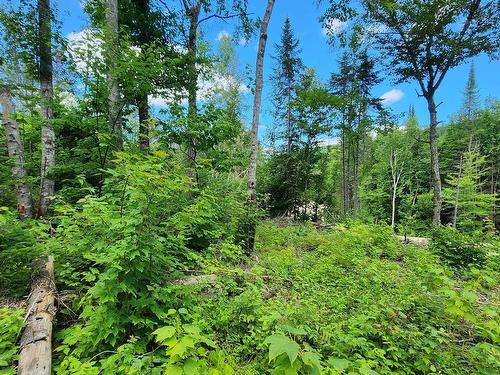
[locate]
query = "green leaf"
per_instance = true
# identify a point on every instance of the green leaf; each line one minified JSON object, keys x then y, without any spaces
{"x":164,"y":333}
{"x":279,"y":344}
{"x":338,"y":364}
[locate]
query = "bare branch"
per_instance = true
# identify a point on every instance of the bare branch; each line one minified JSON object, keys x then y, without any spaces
{"x":224,"y":18}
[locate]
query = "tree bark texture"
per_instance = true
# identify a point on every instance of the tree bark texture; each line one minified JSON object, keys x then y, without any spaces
{"x":436,"y":177}
{"x":252,"y":170}
{"x":254,"y":151}
{"x":114,"y":102}
{"x":35,"y":356}
{"x":16,"y":153}
{"x":48,"y":141}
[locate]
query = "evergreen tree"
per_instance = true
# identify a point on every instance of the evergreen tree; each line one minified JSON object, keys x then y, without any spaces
{"x":471,"y":100}
{"x":471,"y":207}
{"x":353,"y":84}
{"x":285,"y":78}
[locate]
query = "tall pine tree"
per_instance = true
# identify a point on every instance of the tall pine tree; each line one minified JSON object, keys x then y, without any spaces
{"x":285,"y":79}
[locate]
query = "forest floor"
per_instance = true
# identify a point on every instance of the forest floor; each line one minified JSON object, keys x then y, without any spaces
{"x":352,"y":299}
{"x":357,"y":296}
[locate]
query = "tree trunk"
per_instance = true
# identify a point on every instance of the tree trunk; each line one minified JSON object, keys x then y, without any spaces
{"x":192,"y":46}
{"x":16,"y":153}
{"x":143,"y":109}
{"x":115,"y":109}
{"x":252,"y":169}
{"x":436,"y":177}
{"x":46,"y":93}
{"x":35,"y":356}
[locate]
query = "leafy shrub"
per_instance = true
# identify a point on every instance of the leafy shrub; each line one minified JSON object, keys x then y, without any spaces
{"x":11,"y":323}
{"x":456,"y":248}
{"x":17,"y":251}
{"x":127,"y":245}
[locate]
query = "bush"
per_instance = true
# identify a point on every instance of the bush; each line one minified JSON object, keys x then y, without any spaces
{"x":17,"y":251}
{"x":11,"y":323}
{"x":458,"y":249}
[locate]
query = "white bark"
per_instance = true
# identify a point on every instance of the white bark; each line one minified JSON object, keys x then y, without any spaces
{"x":252,"y":170}
{"x":396,"y":172}
{"x":115,"y":110}
{"x":48,"y":139}
{"x":16,"y":153}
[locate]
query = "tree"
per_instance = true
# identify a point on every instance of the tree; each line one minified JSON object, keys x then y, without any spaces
{"x":470,"y":205}
{"x":252,"y":168}
{"x":48,"y":139}
{"x":193,"y":9}
{"x":285,"y":78}
{"x":112,"y":48}
{"x":353,"y":84}
{"x":423,"y":41}
{"x":471,"y":103}
{"x":16,"y":152}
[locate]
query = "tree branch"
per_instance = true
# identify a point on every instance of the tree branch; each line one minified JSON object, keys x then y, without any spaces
{"x":224,"y":18}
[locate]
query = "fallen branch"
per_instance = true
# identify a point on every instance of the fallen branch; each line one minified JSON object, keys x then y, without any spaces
{"x":35,"y":357}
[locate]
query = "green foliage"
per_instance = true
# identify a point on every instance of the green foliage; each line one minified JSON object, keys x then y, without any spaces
{"x":288,"y":358}
{"x":127,"y":244}
{"x":18,"y":249}
{"x":458,"y":249}
{"x":11,"y":323}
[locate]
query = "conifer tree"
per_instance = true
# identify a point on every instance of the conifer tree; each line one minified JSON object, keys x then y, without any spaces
{"x":285,"y":78}
{"x":471,"y":104}
{"x":471,"y":207}
{"x":423,"y":40}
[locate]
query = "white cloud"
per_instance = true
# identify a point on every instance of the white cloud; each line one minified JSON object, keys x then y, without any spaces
{"x":85,"y":46}
{"x":223,"y":34}
{"x":392,"y":96}
{"x":243,"y":42}
{"x":333,"y":26}
{"x":210,"y":85}
{"x":68,"y":99}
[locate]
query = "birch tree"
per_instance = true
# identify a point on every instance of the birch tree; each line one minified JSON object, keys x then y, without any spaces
{"x":48,"y":139}
{"x":16,"y":153}
{"x":111,"y":46}
{"x":396,"y":172}
{"x":198,"y":12}
{"x":259,"y":70}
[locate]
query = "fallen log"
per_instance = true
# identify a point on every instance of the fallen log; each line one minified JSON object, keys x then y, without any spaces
{"x":419,"y":241}
{"x":35,"y":356}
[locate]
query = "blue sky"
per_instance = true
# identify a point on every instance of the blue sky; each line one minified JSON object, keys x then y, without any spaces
{"x":317,"y":53}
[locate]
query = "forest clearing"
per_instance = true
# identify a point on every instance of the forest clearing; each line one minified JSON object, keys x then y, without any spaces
{"x":249,"y":187}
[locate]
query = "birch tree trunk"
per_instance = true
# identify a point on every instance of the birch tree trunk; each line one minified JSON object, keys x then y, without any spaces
{"x":48,"y":140}
{"x":252,"y":169}
{"x":436,"y":177}
{"x":396,"y":176}
{"x":16,"y":153}
{"x":115,"y":109}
